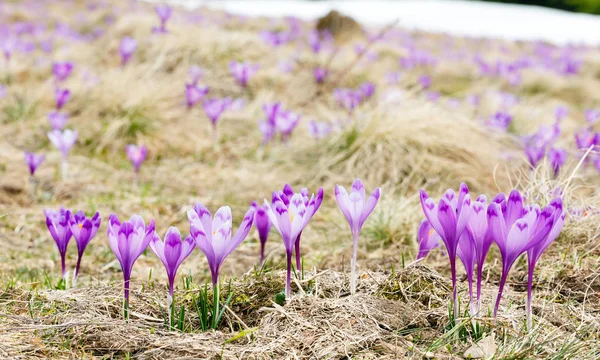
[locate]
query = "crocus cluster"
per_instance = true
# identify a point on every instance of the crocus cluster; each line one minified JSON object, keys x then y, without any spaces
{"x":469,"y":228}
{"x":63,"y":225}
{"x":278,"y":120}
{"x":349,"y":99}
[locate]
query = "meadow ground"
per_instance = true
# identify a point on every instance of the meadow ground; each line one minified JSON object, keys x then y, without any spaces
{"x":400,"y":140}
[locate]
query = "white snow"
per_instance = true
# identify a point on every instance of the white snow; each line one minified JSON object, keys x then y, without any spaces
{"x":455,"y":17}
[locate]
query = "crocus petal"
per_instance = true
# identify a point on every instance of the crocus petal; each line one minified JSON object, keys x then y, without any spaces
{"x":369,"y":206}
{"x":358,"y":187}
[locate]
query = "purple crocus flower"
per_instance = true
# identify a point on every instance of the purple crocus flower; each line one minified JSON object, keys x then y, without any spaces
{"x":428,"y":239}
{"x":516,"y":228}
{"x":586,"y":139}
{"x":57,"y":119}
{"x":63,"y":141}
{"x":320,"y":74}
{"x":319,"y":130}
{"x":62,"y":70}
{"x":128,"y":240}
{"x":592,"y":115}
{"x":449,"y":220}
{"x":290,"y":215}
{"x":194,"y":93}
{"x":425,"y":81}
{"x":213,"y":237}
{"x":127,"y":48}
{"x":347,"y":98}
{"x":535,"y":252}
{"x":137,"y":155}
{"x":3,"y":91}
{"x":366,"y":89}
{"x":58,"y":225}
{"x":242,"y":72}
{"x":500,"y":120}
{"x":478,"y":231}
{"x":163,"y":12}
{"x":8,"y":46}
{"x":557,"y":158}
{"x":62,"y":96}
{"x":561,"y":112}
{"x":356,"y":208}
{"x":286,"y":122}
{"x":33,"y":161}
{"x":263,"y":226}
{"x":195,"y":72}
{"x":172,"y":252}
{"x":534,"y":154}
{"x":84,"y":229}
{"x":214,"y":108}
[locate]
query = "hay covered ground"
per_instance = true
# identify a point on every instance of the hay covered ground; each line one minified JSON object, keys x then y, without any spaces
{"x":399,"y":140}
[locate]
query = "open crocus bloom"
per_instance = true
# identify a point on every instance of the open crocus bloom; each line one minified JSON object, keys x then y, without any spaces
{"x":62,"y":70}
{"x":194,"y":93}
{"x":57,"y":119}
{"x":137,"y":155}
{"x":128,"y":240}
{"x":290,"y":215}
{"x":516,"y":228}
{"x":127,"y":48}
{"x":213,"y":236}
{"x":263,"y":226}
{"x":84,"y":229}
{"x":449,"y":219}
{"x":356,"y":208}
{"x":242,"y":72}
{"x":63,"y":141}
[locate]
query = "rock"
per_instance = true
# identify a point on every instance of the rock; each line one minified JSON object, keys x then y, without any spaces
{"x":429,"y":355}
{"x":340,"y":26}
{"x":484,"y":349}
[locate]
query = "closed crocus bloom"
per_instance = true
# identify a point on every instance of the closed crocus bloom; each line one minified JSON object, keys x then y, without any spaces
{"x":128,"y":240}
{"x":195,"y":72}
{"x":428,"y":239}
{"x":290,"y":215}
{"x":58,"y":225}
{"x":172,"y":252}
{"x":214,"y":108}
{"x":137,"y":155}
{"x":61,"y":96}
{"x":263,"y":226}
{"x":194,"y":93}
{"x":557,"y":158}
{"x":63,"y":141}
{"x":213,"y":238}
{"x":320,"y":74}
{"x":356,"y":208}
{"x":286,"y":122}
{"x":535,"y":252}
{"x":534,"y":154}
{"x":478,"y":230}
{"x":57,"y":119}
{"x":367,"y":89}
{"x":33,"y":161}
{"x":586,"y":139}
{"x":163,"y":12}
{"x":62,"y":70}
{"x":449,"y":219}
{"x":516,"y":228}
{"x":126,"y":49}
{"x":84,"y":229}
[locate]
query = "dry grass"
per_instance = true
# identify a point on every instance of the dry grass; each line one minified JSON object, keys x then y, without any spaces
{"x":399,"y":141}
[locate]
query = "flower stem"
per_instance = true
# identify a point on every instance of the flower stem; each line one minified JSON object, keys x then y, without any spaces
{"x":262,"y":253}
{"x":289,"y":275}
{"x":530,"y":292}
{"x":479,"y":280}
{"x":353,"y":264}
{"x":454,"y":290}
{"x":500,"y":290}
{"x":216,"y":299}
{"x":126,"y":299}
{"x":65,"y":168}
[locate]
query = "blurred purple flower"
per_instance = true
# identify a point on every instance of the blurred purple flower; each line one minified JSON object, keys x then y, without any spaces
{"x":84,"y":229}
{"x":425,"y":81}
{"x":428,"y":239}
{"x":320,"y":74}
{"x":356,"y":208}
{"x":561,"y":112}
{"x":195,"y":73}
{"x":557,"y":158}
{"x":366,"y":90}
{"x":62,"y":96}
{"x":194,"y":93}
{"x":63,"y":141}
{"x":33,"y":161}
{"x":137,"y":155}
{"x":500,"y":120}
{"x":62,"y":70}
{"x":592,"y":115}
{"x":128,"y":240}
{"x":286,"y":122}
{"x":242,"y":72}
{"x":586,"y":139}
{"x":163,"y":12}
{"x":534,"y":154}
{"x":319,"y":130}
{"x":58,"y":225}
{"x":3,"y":91}
{"x":57,"y":119}
{"x":8,"y":46}
{"x":214,"y":108}
{"x":275,"y":38}
{"x":127,"y":48}
{"x":477,"y":228}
